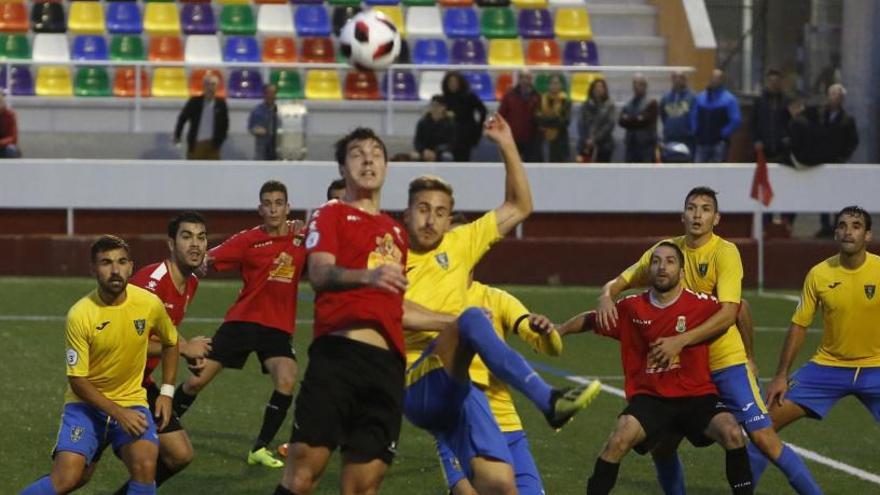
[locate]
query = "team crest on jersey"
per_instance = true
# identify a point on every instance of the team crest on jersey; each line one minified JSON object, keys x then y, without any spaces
{"x":869,"y":291}
{"x":703,"y":268}
{"x":442,"y":260}
{"x":385,"y":253}
{"x":76,"y":433}
{"x":681,"y":324}
{"x":140,"y":325}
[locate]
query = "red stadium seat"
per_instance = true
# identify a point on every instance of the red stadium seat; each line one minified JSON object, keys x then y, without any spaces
{"x":278,"y":49}
{"x":503,"y":84}
{"x":13,"y":17}
{"x":317,"y":50}
{"x":125,"y":82}
{"x":543,"y":52}
{"x":195,"y":82}
{"x":361,"y":85}
{"x":166,"y":49}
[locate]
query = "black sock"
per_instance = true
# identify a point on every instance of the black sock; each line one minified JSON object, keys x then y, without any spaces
{"x":604,"y":477}
{"x":280,"y":490}
{"x":163,"y":472}
{"x":276,"y":411}
{"x":739,"y":474}
{"x":182,"y":401}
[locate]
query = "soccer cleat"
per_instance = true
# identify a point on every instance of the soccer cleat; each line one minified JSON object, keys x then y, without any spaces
{"x":566,"y":402}
{"x":264,"y":457}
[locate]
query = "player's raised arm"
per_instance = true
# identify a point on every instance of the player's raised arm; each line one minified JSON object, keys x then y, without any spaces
{"x":517,"y":204}
{"x":584,"y":322}
{"x":325,"y":275}
{"x":606,"y":312}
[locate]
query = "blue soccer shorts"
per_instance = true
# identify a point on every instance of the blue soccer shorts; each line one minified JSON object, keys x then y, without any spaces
{"x":739,"y":391}
{"x":817,"y":387}
{"x":528,"y":480}
{"x":86,"y":430}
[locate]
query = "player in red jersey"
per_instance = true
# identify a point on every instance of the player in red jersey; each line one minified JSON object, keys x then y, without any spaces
{"x":673,"y":398}
{"x":270,"y":258}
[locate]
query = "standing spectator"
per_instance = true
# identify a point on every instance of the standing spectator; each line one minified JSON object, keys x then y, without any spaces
{"x":596,"y":125}
{"x":770,"y":118}
{"x":714,"y":119}
{"x":434,"y":133}
{"x":469,"y":113}
{"x":675,"y":114}
{"x":8,"y":131}
{"x":639,"y":118}
{"x":554,"y":115}
{"x":263,"y":124}
{"x":519,"y":107}
{"x":208,"y":120}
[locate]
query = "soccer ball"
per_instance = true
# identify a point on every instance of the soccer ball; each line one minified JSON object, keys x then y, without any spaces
{"x":370,"y":41}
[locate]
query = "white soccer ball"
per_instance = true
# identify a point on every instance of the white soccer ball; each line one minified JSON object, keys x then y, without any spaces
{"x":370,"y":40}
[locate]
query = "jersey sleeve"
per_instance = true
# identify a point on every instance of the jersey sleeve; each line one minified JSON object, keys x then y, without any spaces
{"x":806,"y":308}
{"x":728,"y":288}
{"x":478,"y":236}
{"x":162,"y":325}
{"x":323,"y":234}
{"x":77,"y":337}
{"x":140,"y":279}
{"x":637,"y":274}
{"x":228,"y":255}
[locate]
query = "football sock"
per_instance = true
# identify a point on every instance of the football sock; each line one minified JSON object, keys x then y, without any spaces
{"x":739,"y":475}
{"x":758,"y":461}
{"x":799,"y":477}
{"x":604,"y":477}
{"x":670,"y":474}
{"x":276,"y":411}
{"x":163,"y":472}
{"x":42,"y":486}
{"x":138,"y":488}
{"x":476,"y":331}
{"x":182,"y":401}
{"x":280,"y":490}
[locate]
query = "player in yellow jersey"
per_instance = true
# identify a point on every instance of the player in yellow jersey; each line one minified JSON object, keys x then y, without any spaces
{"x":713,"y":266}
{"x":107,"y":334}
{"x":848,"y":359}
{"x":440,"y":396}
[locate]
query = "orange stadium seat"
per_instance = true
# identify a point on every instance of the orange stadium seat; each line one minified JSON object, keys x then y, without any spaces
{"x":543,"y":52}
{"x":279,"y":49}
{"x":125,"y":82}
{"x":361,"y":85}
{"x":198,"y":75}
{"x":13,"y":17}
{"x":165,"y":49}
{"x":317,"y":50}
{"x":503,"y":84}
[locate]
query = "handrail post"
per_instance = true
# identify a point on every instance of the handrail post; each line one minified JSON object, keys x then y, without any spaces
{"x":136,"y":125}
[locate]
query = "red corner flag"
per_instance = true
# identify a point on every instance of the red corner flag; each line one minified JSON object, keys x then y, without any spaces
{"x":761,"y":189}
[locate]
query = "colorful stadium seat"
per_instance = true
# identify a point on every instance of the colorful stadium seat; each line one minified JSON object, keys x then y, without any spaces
{"x":127,"y":48}
{"x":530,"y":4}
{"x":21,"y":82}
{"x":51,"y":47}
{"x":87,"y":18}
{"x":573,"y":23}
{"x":419,"y":3}
{"x":493,"y":3}
{"x":124,"y":18}
{"x":238,"y":19}
{"x":580,"y":53}
{"x":361,"y":85}
{"x":498,"y":22}
{"x":198,"y":18}
{"x":372,"y":3}
{"x":481,"y":84}
{"x":353,"y":3}
{"x":275,"y":20}
{"x":456,"y":3}
{"x":197,"y":77}
{"x":323,"y":85}
{"x":580,"y":84}
{"x":54,"y":81}
{"x":543,"y":52}
{"x":270,"y":1}
{"x":233,"y":2}
{"x":90,"y":47}
{"x":394,"y":14}
{"x":125,"y":82}
{"x":503,"y":84}
{"x":165,"y":49}
{"x":567,"y":3}
{"x":161,"y":19}
{"x":288,"y":83}
{"x":505,"y":52}
{"x":317,"y":51}
{"x":169,"y":82}
{"x":278,"y":49}
{"x":461,"y":23}
{"x":403,"y":57}
{"x":542,"y":82}
{"x":181,"y":1}
{"x":535,"y":23}
{"x":241,"y":49}
{"x":302,"y":2}
{"x":203,"y":49}
{"x":14,"y":46}
{"x":430,"y":51}
{"x":48,"y":17}
{"x":468,"y":51}
{"x":91,"y":81}
{"x":424,"y":22}
{"x":342,"y":14}
{"x":13,"y":17}
{"x":312,"y":20}
{"x":403,"y":86}
{"x":430,"y":84}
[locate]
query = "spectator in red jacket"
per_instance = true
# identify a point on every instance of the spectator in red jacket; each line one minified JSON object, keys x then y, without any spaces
{"x":8,"y":131}
{"x":519,"y":108}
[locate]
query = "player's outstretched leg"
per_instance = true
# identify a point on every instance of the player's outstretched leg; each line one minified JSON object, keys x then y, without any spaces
{"x":727,"y":432}
{"x":67,"y":470}
{"x":767,"y":446}
{"x":283,"y":371}
{"x":670,"y":471}
{"x":627,"y":434}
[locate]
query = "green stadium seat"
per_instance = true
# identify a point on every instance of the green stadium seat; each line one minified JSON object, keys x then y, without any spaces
{"x":498,"y":22}
{"x":419,"y":3}
{"x":289,"y":84}
{"x":238,"y":19}
{"x":14,"y":46}
{"x":127,"y":47}
{"x":346,"y":3}
{"x":91,"y":81}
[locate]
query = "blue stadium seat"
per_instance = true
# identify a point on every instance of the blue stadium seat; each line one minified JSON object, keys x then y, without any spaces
{"x":197,"y":18}
{"x":430,"y":51}
{"x":461,"y":23}
{"x":403,"y":86}
{"x":535,"y":23}
{"x":481,"y":84}
{"x":90,"y":47}
{"x":124,"y":18}
{"x":241,"y":49}
{"x":312,"y":20}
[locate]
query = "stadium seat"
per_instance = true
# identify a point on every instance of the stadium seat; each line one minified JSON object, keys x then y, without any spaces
{"x":14,"y":46}
{"x":567,"y":3}
{"x":543,"y":52}
{"x":21,"y":82}
{"x":481,"y":84}
{"x":13,"y":17}
{"x":317,"y":51}
{"x":124,"y":18}
{"x":342,"y":14}
{"x":198,"y":18}
{"x":323,"y":85}
{"x":241,"y":49}
{"x":430,"y":51}
{"x":361,"y":85}
{"x":197,"y":77}
{"x":51,"y":47}
{"x":165,"y":49}
{"x":468,"y":51}
{"x":403,"y":86}
{"x":373,"y":3}
{"x":86,"y":18}
{"x":394,"y":14}
{"x":203,"y":49}
{"x":91,"y":81}
{"x":161,"y":19}
{"x":289,"y":84}
{"x":580,"y":84}
{"x":461,"y":23}
{"x":503,"y":84}
{"x":48,"y":17}
{"x":535,"y":23}
{"x":238,"y":19}
{"x":580,"y":53}
{"x":493,"y":3}
{"x":245,"y":83}
{"x":424,"y":22}
{"x":542,"y":82}
{"x":456,"y":3}
{"x":530,"y":4}
{"x":275,"y":20}
{"x":125,"y":82}
{"x":277,"y":49}
{"x":505,"y":52}
{"x":430,"y":84}
{"x":270,"y":1}
{"x":233,"y":2}
{"x":54,"y":81}
{"x":419,"y":3}
{"x":303,"y":2}
{"x":353,"y":3}
{"x":312,"y":20}
{"x":498,"y":22}
{"x":90,"y":47}
{"x":181,"y":1}
{"x":127,"y":48}
{"x":169,"y":82}
{"x":573,"y":23}
{"x":404,"y":57}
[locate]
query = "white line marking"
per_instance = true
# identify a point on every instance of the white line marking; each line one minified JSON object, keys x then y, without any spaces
{"x":772,"y":295}
{"x":191,"y":319}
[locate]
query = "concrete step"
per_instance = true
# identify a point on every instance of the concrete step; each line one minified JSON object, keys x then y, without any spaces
{"x":620,"y":19}
{"x":631,"y":50}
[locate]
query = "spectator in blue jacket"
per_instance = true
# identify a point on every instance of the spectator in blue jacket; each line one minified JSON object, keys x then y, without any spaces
{"x":675,"y":114}
{"x":263,"y":125}
{"x":714,"y":119}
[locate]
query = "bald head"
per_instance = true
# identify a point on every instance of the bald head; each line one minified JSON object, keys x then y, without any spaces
{"x":717,"y":79}
{"x":679,"y":81}
{"x":836,"y":95}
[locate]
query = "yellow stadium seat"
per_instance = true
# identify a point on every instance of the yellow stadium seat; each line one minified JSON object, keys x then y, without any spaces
{"x":573,"y":23}
{"x":86,"y":18}
{"x":161,"y":18}
{"x":232,"y":2}
{"x":530,"y":4}
{"x":170,"y":82}
{"x":580,"y":84}
{"x":323,"y":85}
{"x":54,"y":81}
{"x":505,"y":52}
{"x":395,"y":15}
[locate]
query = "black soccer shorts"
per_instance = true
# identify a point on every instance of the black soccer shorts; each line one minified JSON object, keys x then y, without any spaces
{"x":234,"y":341}
{"x":685,"y":416}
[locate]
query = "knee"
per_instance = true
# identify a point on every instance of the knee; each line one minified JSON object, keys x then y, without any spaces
{"x":285,"y":384}
{"x":732,"y":437}
{"x":194,"y":385}
{"x":143,"y":469}
{"x":470,"y":320}
{"x":616,"y":447}
{"x":177,"y":460}
{"x":498,"y":485}
{"x":302,"y":482}
{"x":767,"y":442}
{"x":66,"y":482}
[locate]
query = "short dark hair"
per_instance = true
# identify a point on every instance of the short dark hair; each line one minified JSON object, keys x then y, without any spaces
{"x":359,"y":134}
{"x":774,"y":72}
{"x":336,"y":184}
{"x":108,"y":242}
{"x":458,"y":218}
{"x":678,"y":253}
{"x":273,"y":186}
{"x":855,"y":210}
{"x":438,"y":99}
{"x":185,"y":217}
{"x":702,"y":191}
{"x":429,"y":183}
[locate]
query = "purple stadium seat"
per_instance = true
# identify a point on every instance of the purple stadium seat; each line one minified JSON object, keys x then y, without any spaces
{"x":245,"y":83}
{"x":22,"y":82}
{"x":535,"y":23}
{"x":468,"y":51}
{"x":403,"y":86}
{"x":197,"y":18}
{"x":580,"y":53}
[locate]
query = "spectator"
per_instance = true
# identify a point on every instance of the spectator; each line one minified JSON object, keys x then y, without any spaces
{"x":336,"y":189}
{"x":675,"y":114}
{"x":714,"y":119}
{"x":434,"y":133}
{"x":519,"y":107}
{"x":8,"y":131}
{"x":770,"y":119}
{"x":639,"y":118}
{"x":469,"y":113}
{"x":208,"y":120}
{"x":263,"y":125}
{"x":554,"y":115}
{"x":596,"y":125}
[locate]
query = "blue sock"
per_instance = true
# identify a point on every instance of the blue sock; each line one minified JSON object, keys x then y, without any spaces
{"x":758,"y":462}
{"x":42,"y":486}
{"x":799,"y":477}
{"x":670,"y":474}
{"x":136,"y":488}
{"x":476,"y":331}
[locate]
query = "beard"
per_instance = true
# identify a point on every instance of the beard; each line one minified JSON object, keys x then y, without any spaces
{"x":663,"y":287}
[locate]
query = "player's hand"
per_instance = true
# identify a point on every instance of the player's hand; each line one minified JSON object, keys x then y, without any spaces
{"x":497,"y":129}
{"x":664,"y":350}
{"x":163,"y":412}
{"x":196,"y":365}
{"x":259,"y":130}
{"x":133,"y":422}
{"x":540,"y":324}
{"x":776,"y":390}
{"x":296,"y":226}
{"x":606,"y":313}
{"x":197,"y":347}
{"x":388,"y":277}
